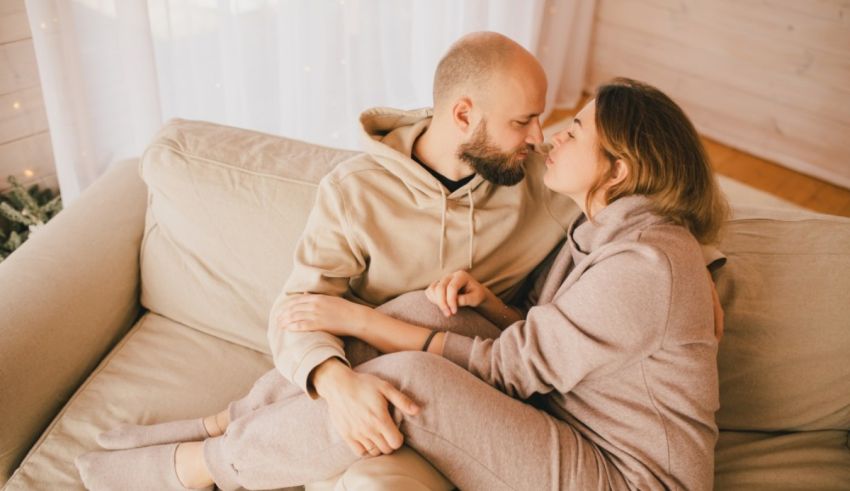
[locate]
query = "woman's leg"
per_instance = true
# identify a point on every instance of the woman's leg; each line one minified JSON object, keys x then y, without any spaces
{"x":477,"y":436}
{"x":272,"y":387}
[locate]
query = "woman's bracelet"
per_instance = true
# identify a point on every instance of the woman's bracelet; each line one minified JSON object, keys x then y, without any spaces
{"x":428,"y":340}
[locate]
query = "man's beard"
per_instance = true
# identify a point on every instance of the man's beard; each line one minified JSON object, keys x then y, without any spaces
{"x":504,"y":169}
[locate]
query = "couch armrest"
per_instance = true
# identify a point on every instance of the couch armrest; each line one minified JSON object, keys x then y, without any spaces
{"x":66,"y":297}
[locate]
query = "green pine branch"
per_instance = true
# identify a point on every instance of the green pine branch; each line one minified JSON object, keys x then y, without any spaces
{"x":22,"y":208}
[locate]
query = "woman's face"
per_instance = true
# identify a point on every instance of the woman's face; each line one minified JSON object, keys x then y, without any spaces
{"x":575,"y":162}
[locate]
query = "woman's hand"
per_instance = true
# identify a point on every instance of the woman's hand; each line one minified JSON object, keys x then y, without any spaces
{"x":458,"y":289}
{"x":327,"y":313}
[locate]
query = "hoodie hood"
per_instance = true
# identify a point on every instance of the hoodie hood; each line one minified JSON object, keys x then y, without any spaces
{"x":388,"y":136}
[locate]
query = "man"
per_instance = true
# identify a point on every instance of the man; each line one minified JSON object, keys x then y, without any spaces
{"x":459,"y":187}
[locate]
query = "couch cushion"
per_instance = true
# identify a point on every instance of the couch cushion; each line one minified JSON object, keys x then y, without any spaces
{"x":225,"y":209}
{"x":762,"y":461}
{"x":147,"y":378}
{"x":784,"y":361}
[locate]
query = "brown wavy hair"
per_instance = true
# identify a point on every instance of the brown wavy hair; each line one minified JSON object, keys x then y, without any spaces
{"x":640,"y":125}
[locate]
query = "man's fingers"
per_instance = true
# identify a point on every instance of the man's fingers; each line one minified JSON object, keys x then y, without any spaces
{"x":355,"y":447}
{"x":458,"y":283}
{"x":390,"y":433}
{"x":440,"y":295}
{"x":451,"y":297}
{"x":380,"y":445}
{"x":401,"y":401}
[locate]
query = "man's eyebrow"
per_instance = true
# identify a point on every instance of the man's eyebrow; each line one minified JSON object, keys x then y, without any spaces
{"x":530,"y":115}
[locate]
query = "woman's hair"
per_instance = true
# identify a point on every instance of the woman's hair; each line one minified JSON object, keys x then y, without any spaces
{"x":667,"y":162}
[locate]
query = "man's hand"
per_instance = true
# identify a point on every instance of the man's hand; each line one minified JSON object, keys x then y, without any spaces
{"x":458,"y":289}
{"x":358,"y":404}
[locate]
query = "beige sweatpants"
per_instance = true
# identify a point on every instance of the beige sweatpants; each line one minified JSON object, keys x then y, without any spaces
{"x":477,"y":436}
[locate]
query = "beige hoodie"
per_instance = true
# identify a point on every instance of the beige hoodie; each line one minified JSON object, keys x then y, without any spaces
{"x":382,"y":225}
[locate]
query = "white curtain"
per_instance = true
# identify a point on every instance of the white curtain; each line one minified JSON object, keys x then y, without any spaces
{"x":113,"y":71}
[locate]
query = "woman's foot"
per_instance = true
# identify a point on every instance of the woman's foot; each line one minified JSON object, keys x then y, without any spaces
{"x":144,"y":469}
{"x":187,"y":430}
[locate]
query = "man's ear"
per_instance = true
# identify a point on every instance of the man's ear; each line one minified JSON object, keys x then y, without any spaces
{"x":619,"y":173}
{"x":462,"y":113}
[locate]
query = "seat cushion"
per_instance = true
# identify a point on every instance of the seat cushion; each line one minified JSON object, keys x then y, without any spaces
{"x":783,"y":361}
{"x":225,"y":209}
{"x":161,"y":371}
{"x":763,"y":461}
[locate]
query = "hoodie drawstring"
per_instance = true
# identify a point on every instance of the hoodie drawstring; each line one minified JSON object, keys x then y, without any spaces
{"x":471,"y":225}
{"x":442,"y":227}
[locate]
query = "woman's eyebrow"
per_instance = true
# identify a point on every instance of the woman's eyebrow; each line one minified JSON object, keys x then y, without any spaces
{"x":577,"y":121}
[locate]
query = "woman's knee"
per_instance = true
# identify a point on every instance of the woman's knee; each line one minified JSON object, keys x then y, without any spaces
{"x":419,"y":375}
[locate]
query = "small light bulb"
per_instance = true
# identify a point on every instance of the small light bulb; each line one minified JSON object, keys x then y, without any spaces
{"x":16,"y":105}
{"x":29,"y":173}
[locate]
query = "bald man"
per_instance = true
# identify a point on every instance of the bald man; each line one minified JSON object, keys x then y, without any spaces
{"x":436,"y":191}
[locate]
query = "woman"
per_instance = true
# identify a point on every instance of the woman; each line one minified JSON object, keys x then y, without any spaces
{"x":619,"y":352}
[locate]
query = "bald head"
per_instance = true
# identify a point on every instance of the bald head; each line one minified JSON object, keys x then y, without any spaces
{"x":474,"y":60}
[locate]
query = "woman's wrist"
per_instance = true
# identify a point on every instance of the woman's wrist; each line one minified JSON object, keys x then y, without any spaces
{"x":437,"y":343}
{"x":365,"y":317}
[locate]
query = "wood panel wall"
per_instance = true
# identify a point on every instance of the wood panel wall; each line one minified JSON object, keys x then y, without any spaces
{"x":770,"y":77}
{"x":25,"y":148}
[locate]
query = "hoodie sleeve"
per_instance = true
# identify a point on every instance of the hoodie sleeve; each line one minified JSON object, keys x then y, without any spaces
{"x":326,"y":257}
{"x":613,"y":316}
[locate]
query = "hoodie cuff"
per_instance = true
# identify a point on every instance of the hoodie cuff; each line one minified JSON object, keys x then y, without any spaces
{"x":311,"y":360}
{"x":456,"y":349}
{"x":714,"y":259}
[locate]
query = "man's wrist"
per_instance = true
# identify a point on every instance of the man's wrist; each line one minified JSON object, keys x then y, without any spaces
{"x":323,"y":376}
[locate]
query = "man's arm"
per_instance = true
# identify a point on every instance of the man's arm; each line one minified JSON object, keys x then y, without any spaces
{"x":326,"y":257}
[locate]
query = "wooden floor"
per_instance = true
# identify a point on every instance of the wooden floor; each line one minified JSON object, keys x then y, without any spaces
{"x":803,"y":190}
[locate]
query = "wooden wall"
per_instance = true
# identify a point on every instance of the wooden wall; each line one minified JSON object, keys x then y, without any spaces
{"x":25,"y":149}
{"x":770,"y":77}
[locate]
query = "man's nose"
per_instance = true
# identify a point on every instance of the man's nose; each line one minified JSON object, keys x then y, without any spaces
{"x":535,"y":134}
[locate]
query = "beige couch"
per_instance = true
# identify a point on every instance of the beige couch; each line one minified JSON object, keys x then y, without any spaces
{"x":146,"y":301}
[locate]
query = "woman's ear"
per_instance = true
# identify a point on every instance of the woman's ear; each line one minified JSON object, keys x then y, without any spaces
{"x":461,"y":113}
{"x":620,"y":172}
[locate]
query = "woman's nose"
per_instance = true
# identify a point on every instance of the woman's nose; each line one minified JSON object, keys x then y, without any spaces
{"x":558,"y":138}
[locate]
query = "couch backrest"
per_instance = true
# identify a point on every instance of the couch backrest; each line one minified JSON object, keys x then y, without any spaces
{"x":785,"y":358}
{"x":225,"y":209}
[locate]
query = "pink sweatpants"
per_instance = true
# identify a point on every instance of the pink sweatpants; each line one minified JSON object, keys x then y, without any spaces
{"x":477,"y":436}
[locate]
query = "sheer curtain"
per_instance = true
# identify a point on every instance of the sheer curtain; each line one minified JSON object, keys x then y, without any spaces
{"x":113,"y":71}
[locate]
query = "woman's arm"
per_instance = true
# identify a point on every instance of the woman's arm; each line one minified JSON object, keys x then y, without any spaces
{"x":614,"y":315}
{"x":341,"y":317}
